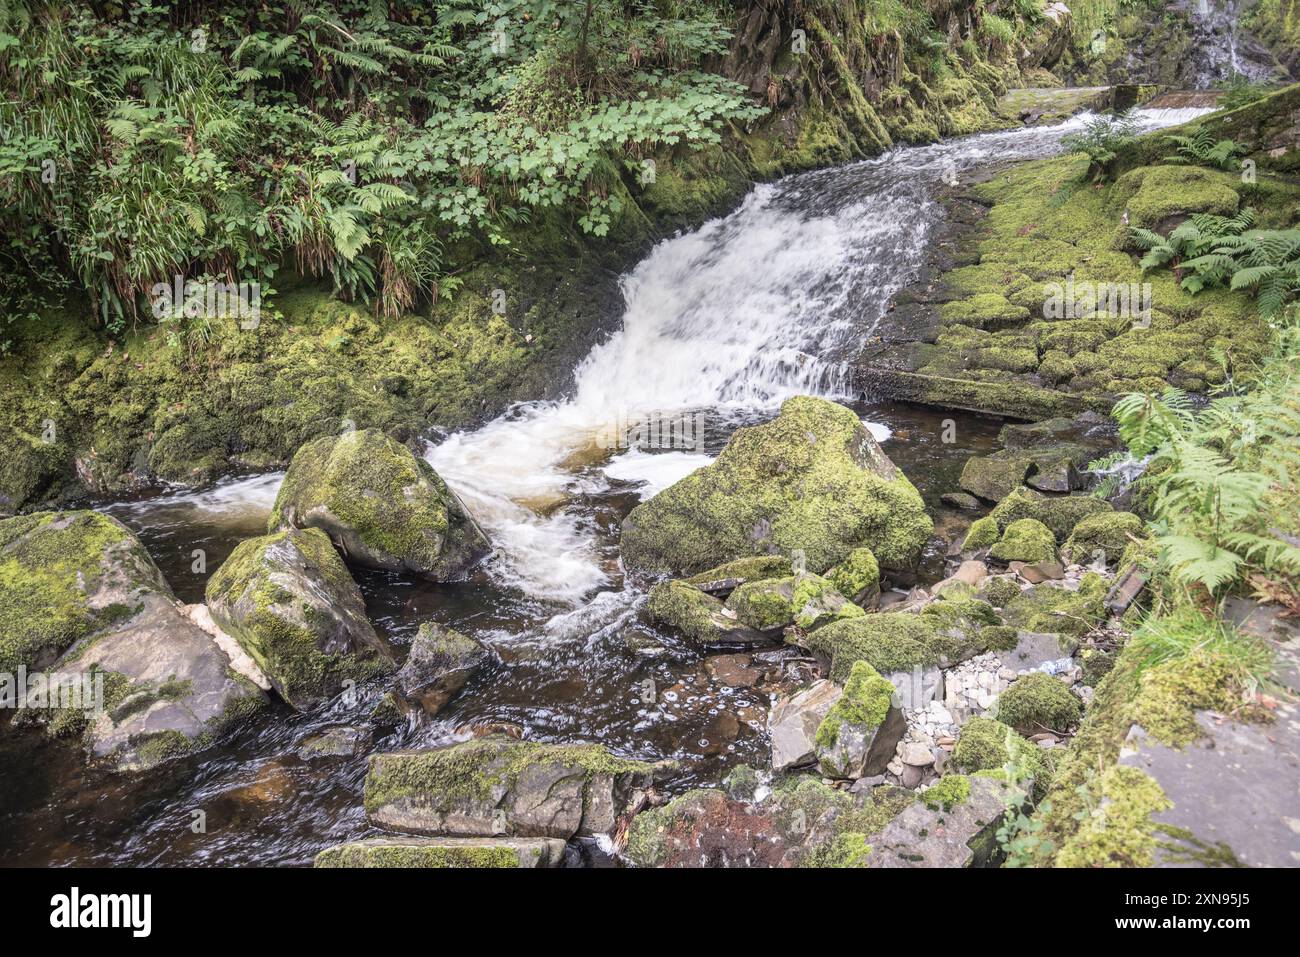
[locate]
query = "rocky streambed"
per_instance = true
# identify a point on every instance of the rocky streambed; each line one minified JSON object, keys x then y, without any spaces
{"x":813,"y":634}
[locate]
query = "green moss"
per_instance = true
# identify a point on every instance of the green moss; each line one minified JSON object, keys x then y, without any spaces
{"x":1039,"y":702}
{"x":1025,"y":540}
{"x":1000,"y":638}
{"x":757,"y":568}
{"x":766,"y":605}
{"x":401,"y":512}
{"x":1096,"y":665}
{"x":986,"y":310}
{"x":857,"y":575}
{"x":685,"y":608}
{"x":802,"y":482}
{"x":984,"y":532}
{"x":816,"y":601}
{"x":1060,"y":513}
{"x":474,"y":770}
{"x":1048,"y":607}
{"x":946,"y":793}
{"x":1153,"y":194}
{"x":51,"y":565}
{"x":282,"y":630}
{"x":985,"y":744}
{"x":417,"y":856}
{"x":1117,"y":830}
{"x":1169,"y":694}
{"x":890,"y":641}
{"x":864,"y":704}
{"x":999,"y":590}
{"x":1110,"y":533}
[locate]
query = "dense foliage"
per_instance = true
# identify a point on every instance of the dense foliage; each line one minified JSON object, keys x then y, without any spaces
{"x":1224,"y":480}
{"x":352,"y":139}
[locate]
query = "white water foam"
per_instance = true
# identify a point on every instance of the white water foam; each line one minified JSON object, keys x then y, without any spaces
{"x":768,"y":302}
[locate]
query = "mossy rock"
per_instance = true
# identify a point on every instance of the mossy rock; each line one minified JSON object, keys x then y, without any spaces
{"x":1053,"y":608}
{"x":1154,"y":196}
{"x":730,"y":575}
{"x":1025,"y":540}
{"x":987,"y":745}
{"x":380,"y":504}
{"x":1039,"y":702}
{"x":999,"y":590}
{"x":445,"y":852}
{"x":765,"y":605}
{"x":1107,"y":533}
{"x":1120,"y":830}
{"x":961,"y":617}
{"x":888,"y":641}
{"x":1060,"y":513}
{"x":441,"y":661}
{"x":63,"y":577}
{"x":984,"y":533}
{"x":288,"y":599}
{"x":812,"y":481}
{"x":859,"y":735}
{"x":703,"y":618}
{"x":857,"y":577}
{"x":502,"y":787}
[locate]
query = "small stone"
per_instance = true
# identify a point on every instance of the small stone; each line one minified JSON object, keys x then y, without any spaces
{"x":916,"y":755}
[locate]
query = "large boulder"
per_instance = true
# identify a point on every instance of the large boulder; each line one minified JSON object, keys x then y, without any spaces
{"x":811,"y":481}
{"x":86,"y":613}
{"x":889,"y":642}
{"x":440,"y":662}
{"x":381,"y":505}
{"x":288,"y":599}
{"x":502,"y":787}
{"x":952,"y":824}
{"x":861,"y":731}
{"x":445,"y":852}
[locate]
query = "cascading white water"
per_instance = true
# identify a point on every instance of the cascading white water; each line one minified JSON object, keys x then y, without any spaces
{"x":768,"y":302}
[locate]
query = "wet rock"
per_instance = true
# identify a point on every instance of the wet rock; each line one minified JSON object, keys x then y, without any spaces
{"x":723,"y":580}
{"x":858,"y":578}
{"x":793,"y":721}
{"x":862,"y":729}
{"x":439,"y":664}
{"x":937,"y":833}
{"x":813,"y":481}
{"x":1060,"y":513}
{"x":342,"y":742}
{"x":1104,"y":536}
{"x":289,"y":601}
{"x":441,"y":852}
{"x":699,"y":617}
{"x":1025,"y":540}
{"x":766,"y":606}
{"x":381,"y":505}
{"x":960,"y":500}
{"x":499,"y":787}
{"x":133,"y":676}
{"x":734,"y":671}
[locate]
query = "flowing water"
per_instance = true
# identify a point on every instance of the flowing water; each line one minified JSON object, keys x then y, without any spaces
{"x":720,"y":325}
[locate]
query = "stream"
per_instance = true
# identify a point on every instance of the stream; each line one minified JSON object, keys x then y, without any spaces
{"x":719,"y":326}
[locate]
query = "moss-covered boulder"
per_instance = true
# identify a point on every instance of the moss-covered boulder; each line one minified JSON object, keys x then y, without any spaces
{"x":860,"y":733}
{"x":988,"y":745}
{"x":440,"y":662}
{"x":113,"y":660}
{"x":888,"y":641}
{"x":1060,"y":513}
{"x":381,"y":506}
{"x":983,"y":533}
{"x":1055,"y":608}
{"x":813,"y":480}
{"x":701,"y":617}
{"x":766,"y":605}
{"x":1105,"y":535}
{"x":1025,"y":540}
{"x":966,"y":621}
{"x":857,"y":578}
{"x":1039,"y":702}
{"x":1159,"y":197}
{"x":445,"y":852}
{"x":501,"y":787}
{"x":288,"y":599}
